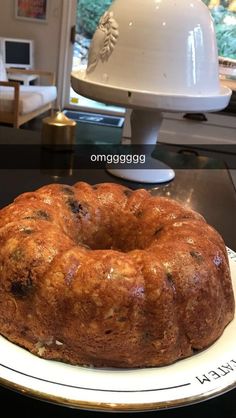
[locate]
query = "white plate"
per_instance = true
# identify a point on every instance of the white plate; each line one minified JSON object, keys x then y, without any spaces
{"x":146,"y":100}
{"x":203,"y":376}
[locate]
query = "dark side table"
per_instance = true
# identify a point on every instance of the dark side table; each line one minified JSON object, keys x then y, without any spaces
{"x":209,"y":191}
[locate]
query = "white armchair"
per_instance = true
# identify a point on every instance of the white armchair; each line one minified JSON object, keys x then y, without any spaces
{"x":20,"y":103}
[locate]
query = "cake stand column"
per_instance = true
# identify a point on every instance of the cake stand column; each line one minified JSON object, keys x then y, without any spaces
{"x":145,"y":127}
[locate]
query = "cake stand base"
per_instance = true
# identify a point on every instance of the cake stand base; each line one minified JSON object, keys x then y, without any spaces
{"x":157,"y":173}
{"x":145,"y":127}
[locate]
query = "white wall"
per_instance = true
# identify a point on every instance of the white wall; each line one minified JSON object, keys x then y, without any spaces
{"x":45,"y":35}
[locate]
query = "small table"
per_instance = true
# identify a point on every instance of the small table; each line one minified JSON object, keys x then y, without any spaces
{"x":23,"y":78}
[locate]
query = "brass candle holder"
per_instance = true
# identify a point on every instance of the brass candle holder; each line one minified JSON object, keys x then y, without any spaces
{"x":58,"y":131}
{"x":58,"y":140}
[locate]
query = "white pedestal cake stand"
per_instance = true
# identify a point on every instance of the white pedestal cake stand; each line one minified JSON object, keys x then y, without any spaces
{"x":146,"y":119}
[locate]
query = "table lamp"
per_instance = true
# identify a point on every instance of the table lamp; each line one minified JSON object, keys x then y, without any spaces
{"x":153,"y":56}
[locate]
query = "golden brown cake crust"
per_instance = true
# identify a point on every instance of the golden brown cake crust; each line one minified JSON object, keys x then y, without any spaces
{"x":105,"y":276}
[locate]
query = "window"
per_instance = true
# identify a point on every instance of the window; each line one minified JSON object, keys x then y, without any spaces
{"x":224,"y":16}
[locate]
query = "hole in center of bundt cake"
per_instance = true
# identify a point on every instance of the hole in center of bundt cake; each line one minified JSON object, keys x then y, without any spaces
{"x":118,"y":236}
{"x":105,"y":218}
{"x":111,"y":240}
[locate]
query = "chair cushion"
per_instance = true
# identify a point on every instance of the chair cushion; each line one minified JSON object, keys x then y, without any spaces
{"x":31,"y":98}
{"x":3,"y":73}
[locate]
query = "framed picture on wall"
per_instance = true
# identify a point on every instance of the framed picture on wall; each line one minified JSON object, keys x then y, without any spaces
{"x":33,"y":10}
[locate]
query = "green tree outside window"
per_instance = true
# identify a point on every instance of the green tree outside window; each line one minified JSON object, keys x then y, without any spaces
{"x":224,"y":17}
{"x":88,"y":15}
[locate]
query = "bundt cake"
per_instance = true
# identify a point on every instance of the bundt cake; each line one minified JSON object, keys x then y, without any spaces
{"x":105,"y":276}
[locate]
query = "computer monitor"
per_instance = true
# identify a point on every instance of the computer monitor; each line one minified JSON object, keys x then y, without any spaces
{"x":17,"y":53}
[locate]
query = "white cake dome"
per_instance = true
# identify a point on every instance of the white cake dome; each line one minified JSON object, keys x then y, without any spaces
{"x":154,"y":54}
{"x":144,"y":45}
